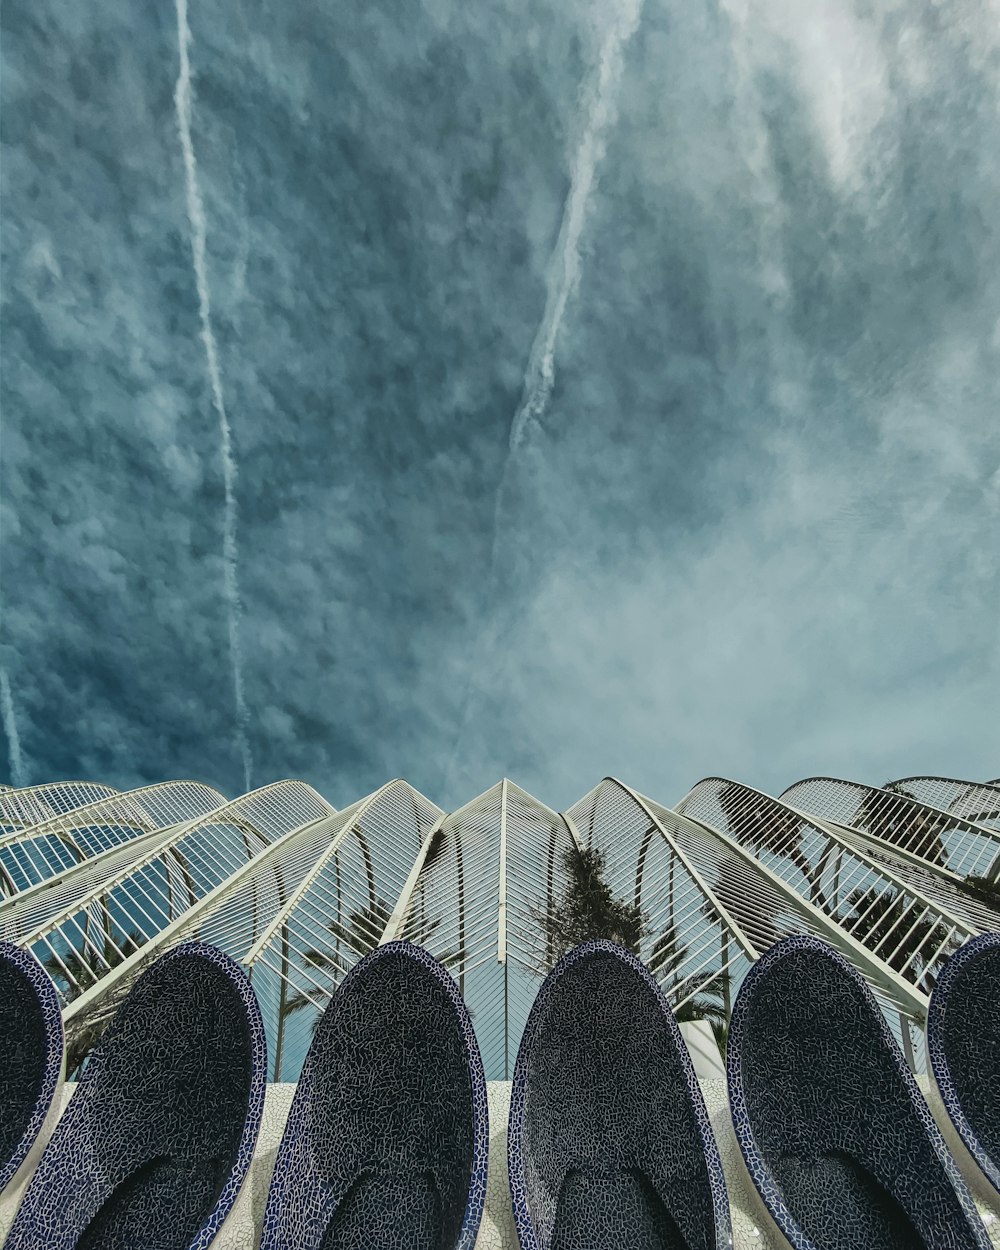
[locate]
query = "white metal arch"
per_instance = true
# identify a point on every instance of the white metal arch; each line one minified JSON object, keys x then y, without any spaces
{"x":869,"y":900}
{"x":47,"y":849}
{"x":99,"y":928}
{"x":975,"y":800}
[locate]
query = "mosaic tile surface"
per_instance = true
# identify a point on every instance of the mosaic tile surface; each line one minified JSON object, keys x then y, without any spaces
{"x":963,"y":1042}
{"x":31,"y":1038}
{"x":242,"y":1228}
{"x":985,"y":1196}
{"x":832,"y":1126}
{"x":12,"y":1195}
{"x":751,"y":1227}
{"x":609,"y":1142}
{"x":387,"y":1138}
{"x":159,"y":1135}
{"x":497,"y":1232}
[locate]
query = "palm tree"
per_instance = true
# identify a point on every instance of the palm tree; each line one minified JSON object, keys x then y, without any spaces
{"x":886,"y":921}
{"x":985,"y":889}
{"x":761,"y":822}
{"x":360,"y":935}
{"x":75,"y":972}
{"x":897,"y":787}
{"x":711,"y":1003}
{"x":588,"y":909}
{"x":912,"y":828}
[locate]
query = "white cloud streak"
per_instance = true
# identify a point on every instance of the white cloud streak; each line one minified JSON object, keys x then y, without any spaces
{"x":230,"y":543}
{"x":564,"y":268}
{"x":562,"y":280}
{"x":15,"y":758}
{"x":563,"y":276}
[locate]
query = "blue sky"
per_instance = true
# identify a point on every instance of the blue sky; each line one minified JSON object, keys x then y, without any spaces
{"x":753,"y":528}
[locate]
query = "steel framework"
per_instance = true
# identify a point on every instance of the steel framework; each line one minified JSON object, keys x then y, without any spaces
{"x":975,"y":800}
{"x":100,"y":883}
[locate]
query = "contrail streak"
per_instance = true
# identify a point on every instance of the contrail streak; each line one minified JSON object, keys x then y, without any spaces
{"x":230,"y":547}
{"x":562,"y":281}
{"x":564,"y":268}
{"x":10,"y":729}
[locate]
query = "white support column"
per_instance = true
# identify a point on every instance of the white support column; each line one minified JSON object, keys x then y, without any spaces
{"x":838,"y":831}
{"x":502,"y":909}
{"x":116,"y":803}
{"x":836,"y":834}
{"x":695,"y":875}
{"x":395,"y":922}
{"x":574,"y":833}
{"x":502,"y":928}
{"x":176,"y":834}
{"x":13,"y":907}
{"x":281,"y":918}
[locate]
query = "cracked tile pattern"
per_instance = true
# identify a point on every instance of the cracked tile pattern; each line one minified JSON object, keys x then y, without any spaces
{"x":160,"y":1132}
{"x":752,"y":1229}
{"x":609,"y":1140}
{"x":985,"y":1197}
{"x":31,"y":1036}
{"x":963,"y":1043}
{"x":832,"y":1126}
{"x":387,"y":1137}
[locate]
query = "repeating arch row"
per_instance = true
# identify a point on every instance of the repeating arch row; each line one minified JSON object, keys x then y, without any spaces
{"x":298,"y":892}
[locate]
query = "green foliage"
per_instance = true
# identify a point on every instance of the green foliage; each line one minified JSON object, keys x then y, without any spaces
{"x":886,"y":922}
{"x":897,"y":787}
{"x":74,"y":973}
{"x":711,"y":1003}
{"x":759,"y":822}
{"x":588,"y":909}
{"x":983,"y":889}
{"x":915,"y":829}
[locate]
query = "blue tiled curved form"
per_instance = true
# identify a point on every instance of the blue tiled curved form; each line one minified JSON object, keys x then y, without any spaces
{"x":31,"y":1041}
{"x":158,"y":1137}
{"x":387,"y":1138}
{"x":609,"y":1142}
{"x":963,"y":1040}
{"x":836,"y":1136}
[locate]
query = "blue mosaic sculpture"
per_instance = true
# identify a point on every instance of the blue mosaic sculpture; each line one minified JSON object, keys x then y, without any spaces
{"x":609,"y":1142}
{"x":963,"y":1041}
{"x":837,"y":1138}
{"x":158,"y":1137}
{"x":387,"y":1138}
{"x":31,"y":1040}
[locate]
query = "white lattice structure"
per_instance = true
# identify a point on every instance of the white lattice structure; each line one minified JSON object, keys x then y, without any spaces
{"x":298,"y":892}
{"x":19,"y":809}
{"x":94,"y":929}
{"x":974,"y":800}
{"x":868,"y":900}
{"x":37,"y":851}
{"x":941,"y":837}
